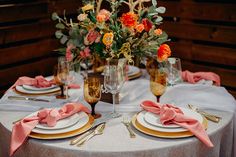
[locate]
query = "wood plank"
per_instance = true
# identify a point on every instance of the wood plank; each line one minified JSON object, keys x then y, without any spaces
{"x":42,"y":67}
{"x":205,"y":53}
{"x":200,"y":11}
{"x":28,"y":51}
{"x":63,"y":5}
{"x":23,"y":32}
{"x":211,"y":33}
{"x":227,"y":76}
{"x":22,"y":11}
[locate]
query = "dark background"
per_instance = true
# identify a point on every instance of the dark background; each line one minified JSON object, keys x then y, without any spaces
{"x":203,"y":34}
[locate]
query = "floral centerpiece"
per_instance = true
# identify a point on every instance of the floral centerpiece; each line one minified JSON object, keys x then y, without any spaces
{"x":108,"y":33}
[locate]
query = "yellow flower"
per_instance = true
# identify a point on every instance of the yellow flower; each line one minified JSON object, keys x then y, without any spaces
{"x":87,"y":7}
{"x":108,"y":39}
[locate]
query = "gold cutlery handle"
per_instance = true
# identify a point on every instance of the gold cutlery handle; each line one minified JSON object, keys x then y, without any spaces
{"x":82,"y":141}
{"x":77,"y":139}
{"x":210,"y":117}
{"x":131,"y":133}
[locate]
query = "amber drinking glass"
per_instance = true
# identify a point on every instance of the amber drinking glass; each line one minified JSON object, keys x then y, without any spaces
{"x":92,"y":93}
{"x":158,"y":77}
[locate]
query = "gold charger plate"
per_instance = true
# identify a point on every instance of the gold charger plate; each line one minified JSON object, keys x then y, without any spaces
{"x":35,"y":94}
{"x":81,"y":130}
{"x":137,"y":75}
{"x":155,"y":133}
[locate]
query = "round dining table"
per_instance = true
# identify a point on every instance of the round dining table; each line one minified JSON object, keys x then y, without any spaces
{"x":115,"y":140}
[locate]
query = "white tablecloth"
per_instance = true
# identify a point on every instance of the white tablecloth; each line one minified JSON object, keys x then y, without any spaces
{"x":115,"y":141}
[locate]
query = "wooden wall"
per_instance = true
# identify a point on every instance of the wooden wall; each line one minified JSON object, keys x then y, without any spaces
{"x":203,"y":34}
{"x":27,"y":37}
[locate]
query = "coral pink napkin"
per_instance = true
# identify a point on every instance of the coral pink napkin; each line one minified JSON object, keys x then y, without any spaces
{"x":22,"y":129}
{"x":197,"y":76}
{"x":170,"y":114}
{"x":39,"y":81}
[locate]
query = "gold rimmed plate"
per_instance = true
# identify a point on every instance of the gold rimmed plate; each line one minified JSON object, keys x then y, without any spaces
{"x":156,"y":133}
{"x":78,"y":131}
{"x":21,"y":90}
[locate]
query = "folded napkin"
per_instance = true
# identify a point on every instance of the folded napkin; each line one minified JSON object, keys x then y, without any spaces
{"x":39,"y":81}
{"x":197,"y":76}
{"x":22,"y":129}
{"x":170,"y":114}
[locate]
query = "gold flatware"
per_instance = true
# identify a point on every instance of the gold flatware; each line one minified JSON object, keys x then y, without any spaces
{"x":26,"y":116}
{"x":208,"y":116}
{"x":77,"y":139}
{"x":126,"y":122}
{"x":98,"y":131}
{"x":26,"y":98}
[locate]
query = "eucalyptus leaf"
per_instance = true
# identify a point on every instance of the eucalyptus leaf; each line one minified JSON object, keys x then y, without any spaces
{"x":58,"y":34}
{"x":161,"y":10}
{"x":62,"y":50}
{"x":158,"y":19}
{"x":60,"y":26}
{"x":154,"y":3}
{"x":55,"y":16}
{"x":64,"y":39}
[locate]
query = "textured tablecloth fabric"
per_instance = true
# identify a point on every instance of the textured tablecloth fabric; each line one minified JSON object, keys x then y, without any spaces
{"x":116,"y":142}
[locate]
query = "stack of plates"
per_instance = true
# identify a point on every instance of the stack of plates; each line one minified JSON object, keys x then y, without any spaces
{"x":68,"y":127}
{"x":150,"y":124}
{"x":26,"y":89}
{"x":134,"y":72}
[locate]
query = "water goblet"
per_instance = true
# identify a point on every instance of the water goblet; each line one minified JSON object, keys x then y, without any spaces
{"x":174,"y":71}
{"x":114,"y":78}
{"x":92,"y":93}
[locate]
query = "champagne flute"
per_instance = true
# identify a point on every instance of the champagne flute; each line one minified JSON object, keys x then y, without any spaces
{"x":114,"y":79}
{"x":61,"y":76}
{"x":92,"y":93}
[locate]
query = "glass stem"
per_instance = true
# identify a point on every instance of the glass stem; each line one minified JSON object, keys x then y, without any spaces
{"x":113,"y":102}
{"x":93,"y":109}
{"x":62,"y":90}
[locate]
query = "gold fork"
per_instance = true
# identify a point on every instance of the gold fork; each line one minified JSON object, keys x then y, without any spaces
{"x":126,"y":122}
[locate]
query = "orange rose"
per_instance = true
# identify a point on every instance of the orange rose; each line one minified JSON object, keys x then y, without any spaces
{"x":163,"y":52}
{"x":108,"y":39}
{"x":139,"y":28}
{"x":158,"y":31}
{"x":129,"y":19}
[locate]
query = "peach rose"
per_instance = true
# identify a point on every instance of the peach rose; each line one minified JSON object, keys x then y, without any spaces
{"x":158,"y":31}
{"x":101,"y":18}
{"x":82,"y":17}
{"x":106,"y":13}
{"x":139,"y":28}
{"x":91,"y":37}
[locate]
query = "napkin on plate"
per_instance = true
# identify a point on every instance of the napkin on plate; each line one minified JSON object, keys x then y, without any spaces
{"x":39,"y":81}
{"x":170,"y":114}
{"x":197,"y":76}
{"x":22,"y":129}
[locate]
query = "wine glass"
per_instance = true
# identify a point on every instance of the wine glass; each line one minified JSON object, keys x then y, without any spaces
{"x":114,"y":78}
{"x":174,"y":71}
{"x":61,"y":73}
{"x":158,"y":79}
{"x":92,"y":93}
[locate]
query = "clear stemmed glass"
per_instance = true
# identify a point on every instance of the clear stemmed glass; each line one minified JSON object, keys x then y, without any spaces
{"x":92,"y":93}
{"x":61,"y":75}
{"x":114,"y":79}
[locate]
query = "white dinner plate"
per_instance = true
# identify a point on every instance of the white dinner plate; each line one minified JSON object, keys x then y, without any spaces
{"x":187,"y":112}
{"x":154,"y":119}
{"x":83,"y":119}
{"x":28,"y":87}
{"x":61,"y":124}
{"x":133,"y":70}
{"x":25,"y":91}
